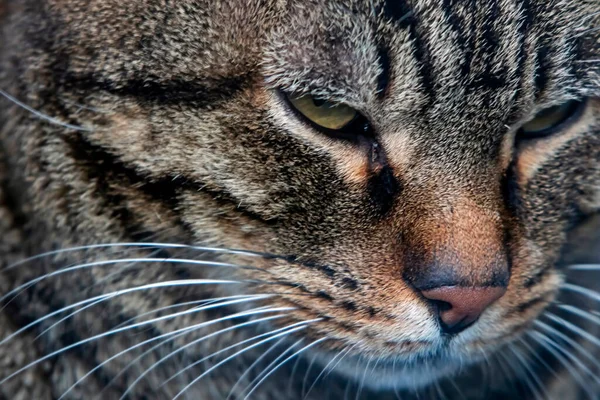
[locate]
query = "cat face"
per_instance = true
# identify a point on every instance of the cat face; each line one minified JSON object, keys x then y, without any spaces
{"x":417,"y":164}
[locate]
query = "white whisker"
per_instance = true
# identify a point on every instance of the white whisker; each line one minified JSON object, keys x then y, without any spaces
{"x":70,"y":314}
{"x":347,"y":389}
{"x":342,"y":353}
{"x":584,"y":267}
{"x":187,"y":303}
{"x":140,"y":245}
{"x":173,"y":335}
{"x":271,"y":364}
{"x":120,"y":270}
{"x":583,"y":314}
{"x":108,"y":296}
{"x":308,"y":346}
{"x":178,"y":333}
{"x":532,"y":374}
{"x":43,"y":116}
{"x":340,"y":360}
{"x":63,"y":319}
{"x":458,"y":390}
{"x":287,"y":332}
{"x":306,"y":375}
{"x":364,"y":377}
{"x":117,"y":261}
{"x":439,"y":390}
{"x":113,"y":332}
{"x":291,"y":379}
{"x":579,"y":348}
{"x":254,"y":364}
{"x":581,"y":290}
{"x":203,"y":338}
{"x":506,"y":367}
{"x":297,"y":324}
{"x":550,"y":346}
{"x":543,"y":362}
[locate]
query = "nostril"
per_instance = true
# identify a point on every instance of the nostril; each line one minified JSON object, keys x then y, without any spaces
{"x":456,"y":326}
{"x":459,"y":307}
{"x":440,"y":306}
{"x":448,"y":327}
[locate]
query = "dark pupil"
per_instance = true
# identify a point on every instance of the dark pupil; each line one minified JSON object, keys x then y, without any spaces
{"x":550,"y":111}
{"x":319,"y":102}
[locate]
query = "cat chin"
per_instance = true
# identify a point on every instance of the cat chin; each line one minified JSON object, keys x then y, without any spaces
{"x":386,"y":374}
{"x":381,"y":378}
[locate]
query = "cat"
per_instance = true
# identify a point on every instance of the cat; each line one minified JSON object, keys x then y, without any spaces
{"x":309,"y":199}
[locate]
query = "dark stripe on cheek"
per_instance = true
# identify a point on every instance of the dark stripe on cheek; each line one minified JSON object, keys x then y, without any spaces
{"x":199,"y":93}
{"x":104,"y":168}
{"x":349,"y":283}
{"x":101,"y":169}
{"x":324,"y":295}
{"x":107,"y":171}
{"x":535,"y":279}
{"x":522,"y":308}
{"x":348,"y":305}
{"x":325,"y":269}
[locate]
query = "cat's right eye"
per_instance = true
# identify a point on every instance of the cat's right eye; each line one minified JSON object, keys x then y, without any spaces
{"x":325,"y":114}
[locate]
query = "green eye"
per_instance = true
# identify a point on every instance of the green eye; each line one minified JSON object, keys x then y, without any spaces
{"x":333,"y":116}
{"x":551,"y":120}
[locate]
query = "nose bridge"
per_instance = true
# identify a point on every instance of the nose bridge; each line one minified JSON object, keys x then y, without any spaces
{"x":455,"y":257}
{"x":471,"y":237}
{"x":458,"y":238}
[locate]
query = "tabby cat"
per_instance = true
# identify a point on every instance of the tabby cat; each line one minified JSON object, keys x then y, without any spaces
{"x":299,"y":199}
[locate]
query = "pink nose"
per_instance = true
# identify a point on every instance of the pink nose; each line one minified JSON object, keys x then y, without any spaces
{"x":458,"y":307}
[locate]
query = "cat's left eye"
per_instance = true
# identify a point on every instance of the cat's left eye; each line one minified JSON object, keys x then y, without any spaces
{"x":325,"y":114}
{"x":551,"y":120}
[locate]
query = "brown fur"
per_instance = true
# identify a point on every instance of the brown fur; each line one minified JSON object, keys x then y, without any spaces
{"x":179,"y":133}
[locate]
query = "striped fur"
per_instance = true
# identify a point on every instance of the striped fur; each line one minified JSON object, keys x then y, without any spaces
{"x":168,"y":125}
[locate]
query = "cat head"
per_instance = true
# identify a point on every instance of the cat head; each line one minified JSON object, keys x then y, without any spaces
{"x":416,"y":164}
